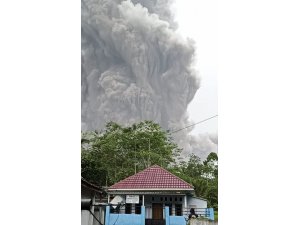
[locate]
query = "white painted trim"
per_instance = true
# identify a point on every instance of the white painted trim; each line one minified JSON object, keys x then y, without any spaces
{"x":204,"y":199}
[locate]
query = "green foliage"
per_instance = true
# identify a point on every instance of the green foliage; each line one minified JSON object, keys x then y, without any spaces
{"x":118,"y":152}
{"x":216,"y":215}
{"x":202,"y":175}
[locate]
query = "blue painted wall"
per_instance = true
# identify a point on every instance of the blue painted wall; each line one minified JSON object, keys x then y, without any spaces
{"x":167,"y":215}
{"x":210,"y":213}
{"x":139,"y":219}
{"x":125,"y":219}
{"x":173,"y":220}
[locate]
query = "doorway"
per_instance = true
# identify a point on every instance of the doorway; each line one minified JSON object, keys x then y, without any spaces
{"x":157,"y":211}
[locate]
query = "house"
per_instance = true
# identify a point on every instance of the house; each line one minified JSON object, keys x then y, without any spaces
{"x":156,"y":195}
{"x":90,"y":195}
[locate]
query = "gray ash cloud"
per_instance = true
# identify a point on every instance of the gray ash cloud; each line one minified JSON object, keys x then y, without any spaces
{"x":134,"y":65}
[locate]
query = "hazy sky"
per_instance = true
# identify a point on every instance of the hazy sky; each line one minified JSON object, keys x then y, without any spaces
{"x":198,"y":20}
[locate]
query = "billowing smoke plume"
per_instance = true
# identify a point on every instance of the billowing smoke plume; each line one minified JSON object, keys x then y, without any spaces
{"x":134,"y":65}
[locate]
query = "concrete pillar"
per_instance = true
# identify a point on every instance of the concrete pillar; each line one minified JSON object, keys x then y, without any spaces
{"x":172,"y":209}
{"x":211,"y":214}
{"x":185,"y":205}
{"x":107,"y":215}
{"x":143,"y":200}
{"x":167,"y":215}
{"x":91,"y":218}
{"x":143,"y":215}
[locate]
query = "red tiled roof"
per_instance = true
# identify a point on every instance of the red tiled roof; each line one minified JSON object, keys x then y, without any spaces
{"x":153,"y":177}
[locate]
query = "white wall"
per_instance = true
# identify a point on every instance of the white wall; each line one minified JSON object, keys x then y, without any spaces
{"x":97,"y":214}
{"x":85,"y":217}
{"x":199,"y":203}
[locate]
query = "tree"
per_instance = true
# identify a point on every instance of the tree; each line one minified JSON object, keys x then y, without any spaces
{"x":202,"y":175}
{"x":118,"y":152}
{"x":211,"y":173}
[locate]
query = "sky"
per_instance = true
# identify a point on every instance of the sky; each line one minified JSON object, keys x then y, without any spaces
{"x":198,"y":20}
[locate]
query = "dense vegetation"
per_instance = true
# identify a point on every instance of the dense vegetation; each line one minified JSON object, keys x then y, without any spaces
{"x":118,"y":152}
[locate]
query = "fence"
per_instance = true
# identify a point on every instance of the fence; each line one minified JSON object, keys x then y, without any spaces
{"x":139,"y":219}
{"x":124,"y":219}
{"x":207,"y":213}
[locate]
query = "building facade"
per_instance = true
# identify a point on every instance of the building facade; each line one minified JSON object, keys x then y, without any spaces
{"x":151,"y":192}
{"x":91,"y":194}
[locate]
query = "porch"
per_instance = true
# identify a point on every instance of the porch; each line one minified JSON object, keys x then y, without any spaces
{"x":153,"y":196}
{"x":140,"y":219}
{"x":154,"y":204}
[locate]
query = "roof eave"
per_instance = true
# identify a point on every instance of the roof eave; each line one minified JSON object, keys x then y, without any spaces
{"x":150,"y":189}
{"x":91,"y":186}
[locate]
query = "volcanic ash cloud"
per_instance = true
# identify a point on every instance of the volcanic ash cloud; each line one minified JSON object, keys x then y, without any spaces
{"x":134,"y":65}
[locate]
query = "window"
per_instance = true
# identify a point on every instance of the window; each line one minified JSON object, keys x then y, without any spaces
{"x":138,"y":208}
{"x":152,"y":198}
{"x":181,"y":199}
{"x":175,"y":199}
{"x":178,"y":209}
{"x":161,"y":199}
{"x":127,"y":208}
{"x":170,"y":199}
{"x":166,"y":199}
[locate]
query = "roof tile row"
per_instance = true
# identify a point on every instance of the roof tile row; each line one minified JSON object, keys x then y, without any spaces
{"x":152,"y":178}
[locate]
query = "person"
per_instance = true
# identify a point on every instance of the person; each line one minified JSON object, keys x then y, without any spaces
{"x":192,"y":213}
